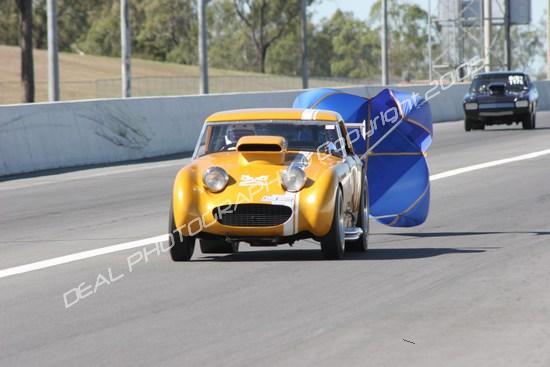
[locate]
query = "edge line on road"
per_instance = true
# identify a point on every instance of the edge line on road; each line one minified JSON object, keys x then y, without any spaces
{"x":479,"y":166}
{"x":4,"y":273}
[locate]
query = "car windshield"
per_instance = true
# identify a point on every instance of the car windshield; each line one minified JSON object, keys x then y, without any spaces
{"x":512,"y":82}
{"x":299,"y":135}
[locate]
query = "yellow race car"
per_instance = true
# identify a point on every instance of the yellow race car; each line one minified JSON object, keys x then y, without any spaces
{"x":269,"y":177}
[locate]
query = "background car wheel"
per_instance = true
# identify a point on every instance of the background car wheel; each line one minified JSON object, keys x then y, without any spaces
{"x":181,"y":247}
{"x":467,"y":124}
{"x":218,"y":246}
{"x":362,"y":243}
{"x":334,"y":242}
{"x":529,"y":122}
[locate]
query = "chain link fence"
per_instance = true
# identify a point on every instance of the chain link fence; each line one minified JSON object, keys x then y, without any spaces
{"x":11,"y":92}
{"x":167,"y":86}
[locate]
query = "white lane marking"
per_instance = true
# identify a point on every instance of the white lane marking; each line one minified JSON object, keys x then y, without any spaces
{"x":80,"y":256}
{"x":147,"y":241}
{"x":499,"y":162}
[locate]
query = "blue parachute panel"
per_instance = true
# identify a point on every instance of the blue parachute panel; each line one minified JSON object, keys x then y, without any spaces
{"x":398,"y":185}
{"x":359,"y":143}
{"x":352,"y":108}
{"x":396,"y":132}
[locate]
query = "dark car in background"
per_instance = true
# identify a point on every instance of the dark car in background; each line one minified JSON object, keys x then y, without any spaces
{"x":500,"y":98}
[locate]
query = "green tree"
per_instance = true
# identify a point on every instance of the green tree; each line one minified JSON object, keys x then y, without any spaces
{"x":528,"y":47}
{"x":9,"y":22}
{"x":229,"y":44}
{"x":266,"y":21}
{"x":320,"y":53}
{"x":409,"y":37}
{"x":103,"y":37}
{"x":355,"y":48}
{"x":168,"y":31}
{"x":74,"y":18}
{"x":285,"y":56}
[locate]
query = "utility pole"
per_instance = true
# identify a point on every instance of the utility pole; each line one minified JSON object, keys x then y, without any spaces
{"x":487,"y":34}
{"x":548,"y":41}
{"x":460,"y":42}
{"x":305,"y":71}
{"x":384,"y":43}
{"x":126,"y":48}
{"x":507,"y":37}
{"x":53,"y":60}
{"x":25,"y":42}
{"x":203,"y":50}
{"x":430,"y":62}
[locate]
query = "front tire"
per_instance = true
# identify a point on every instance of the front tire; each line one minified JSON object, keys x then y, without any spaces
{"x":333,"y":243}
{"x":529,"y":121}
{"x":181,"y":247}
{"x":362,"y":243}
{"x":468,"y":124}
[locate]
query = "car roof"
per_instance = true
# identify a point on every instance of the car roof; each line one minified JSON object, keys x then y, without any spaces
{"x":274,"y":114}
{"x":500,"y":73}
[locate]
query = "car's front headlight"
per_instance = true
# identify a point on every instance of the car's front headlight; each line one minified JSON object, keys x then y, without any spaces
{"x":293,"y":178}
{"x":470,"y":106}
{"x":522,"y":104}
{"x":215,"y":179}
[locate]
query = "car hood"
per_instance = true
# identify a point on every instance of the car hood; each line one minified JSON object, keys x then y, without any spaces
{"x":491,"y":98}
{"x":250,"y":172}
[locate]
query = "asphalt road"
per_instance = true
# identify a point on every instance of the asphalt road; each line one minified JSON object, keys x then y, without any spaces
{"x":468,"y":288}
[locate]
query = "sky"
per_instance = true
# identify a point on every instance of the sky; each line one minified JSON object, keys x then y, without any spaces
{"x":361,"y":8}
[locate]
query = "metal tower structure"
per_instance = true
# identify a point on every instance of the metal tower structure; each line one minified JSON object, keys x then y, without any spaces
{"x":461,"y":34}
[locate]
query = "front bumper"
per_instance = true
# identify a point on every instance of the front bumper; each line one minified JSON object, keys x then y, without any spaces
{"x":259,"y":240}
{"x":312,"y":209}
{"x":497,"y":113}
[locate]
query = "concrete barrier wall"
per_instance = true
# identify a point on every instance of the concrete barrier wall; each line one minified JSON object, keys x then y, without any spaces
{"x":42,"y":136}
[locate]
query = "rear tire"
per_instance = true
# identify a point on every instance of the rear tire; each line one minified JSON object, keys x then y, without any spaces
{"x":362,"y":243}
{"x":181,"y":247}
{"x":218,"y":246}
{"x":333,"y":243}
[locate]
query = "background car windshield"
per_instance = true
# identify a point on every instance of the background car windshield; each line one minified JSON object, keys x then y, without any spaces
{"x":299,"y":136}
{"x":513,"y":82}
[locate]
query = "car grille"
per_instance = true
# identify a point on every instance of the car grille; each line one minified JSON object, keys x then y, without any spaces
{"x":489,"y":106}
{"x":252,"y":215}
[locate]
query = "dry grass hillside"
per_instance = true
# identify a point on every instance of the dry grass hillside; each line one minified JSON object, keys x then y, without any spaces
{"x":87,"y":76}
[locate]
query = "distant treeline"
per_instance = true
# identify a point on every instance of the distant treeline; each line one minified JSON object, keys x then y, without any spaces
{"x":250,"y":35}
